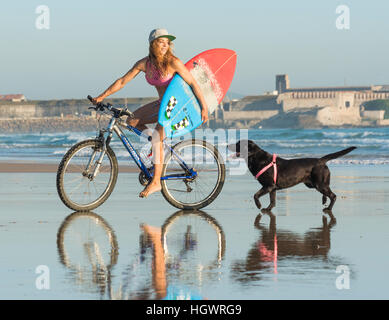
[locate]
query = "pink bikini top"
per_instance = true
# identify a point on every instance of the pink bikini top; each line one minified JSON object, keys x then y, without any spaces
{"x":154,"y":77}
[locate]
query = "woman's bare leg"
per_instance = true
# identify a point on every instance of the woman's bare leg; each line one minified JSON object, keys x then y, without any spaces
{"x":159,"y":267}
{"x":157,"y":145}
{"x":144,"y":115}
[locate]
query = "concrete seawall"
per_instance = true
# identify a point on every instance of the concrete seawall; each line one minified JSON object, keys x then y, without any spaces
{"x":56,"y":115}
{"x":57,"y":108}
{"x":35,"y":111}
{"x":50,"y":124}
{"x":249,"y":112}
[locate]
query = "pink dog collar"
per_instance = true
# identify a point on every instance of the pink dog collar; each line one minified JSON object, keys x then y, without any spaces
{"x":273,"y":163}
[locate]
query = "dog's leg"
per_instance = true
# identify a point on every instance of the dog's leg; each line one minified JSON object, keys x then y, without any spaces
{"x":259,"y":194}
{"x":328,"y":193}
{"x":321,"y":181}
{"x":272,"y":201}
{"x":256,"y":198}
{"x":332,"y":197}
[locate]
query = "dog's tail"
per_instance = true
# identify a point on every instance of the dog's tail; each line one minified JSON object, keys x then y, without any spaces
{"x":338,"y":154}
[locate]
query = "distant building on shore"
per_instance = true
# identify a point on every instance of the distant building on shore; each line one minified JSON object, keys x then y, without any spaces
{"x":335,"y":105}
{"x":13,"y":97}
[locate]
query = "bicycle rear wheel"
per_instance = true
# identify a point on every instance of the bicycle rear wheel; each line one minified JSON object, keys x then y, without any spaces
{"x":76,"y":187}
{"x":201,"y":190}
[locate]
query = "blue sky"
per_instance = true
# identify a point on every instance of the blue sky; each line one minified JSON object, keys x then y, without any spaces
{"x":92,"y":43}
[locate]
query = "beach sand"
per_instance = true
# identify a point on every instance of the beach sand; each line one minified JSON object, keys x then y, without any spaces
{"x":297,"y":257}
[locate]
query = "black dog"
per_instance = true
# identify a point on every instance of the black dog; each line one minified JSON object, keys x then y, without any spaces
{"x":313,"y":172}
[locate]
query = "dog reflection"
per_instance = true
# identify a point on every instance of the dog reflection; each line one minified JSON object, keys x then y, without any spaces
{"x":274,"y":245}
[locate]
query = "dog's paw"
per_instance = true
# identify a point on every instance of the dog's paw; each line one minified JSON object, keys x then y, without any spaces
{"x":332,"y":222}
{"x":266,"y":210}
{"x":258,"y":204}
{"x":328,"y":211}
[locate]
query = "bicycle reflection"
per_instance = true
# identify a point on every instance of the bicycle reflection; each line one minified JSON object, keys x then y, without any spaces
{"x":87,"y":246}
{"x":273,"y":245}
{"x":185,"y":251}
{"x":193,"y":247}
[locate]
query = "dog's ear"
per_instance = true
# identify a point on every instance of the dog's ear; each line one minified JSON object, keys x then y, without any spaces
{"x":252,"y":144}
{"x":252,"y":148}
{"x":245,"y":147}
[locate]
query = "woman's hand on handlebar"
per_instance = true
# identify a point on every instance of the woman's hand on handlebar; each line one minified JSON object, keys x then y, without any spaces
{"x":97,"y":100}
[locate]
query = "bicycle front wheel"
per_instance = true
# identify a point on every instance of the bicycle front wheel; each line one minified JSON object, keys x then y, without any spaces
{"x":203,"y":188}
{"x":79,"y":185}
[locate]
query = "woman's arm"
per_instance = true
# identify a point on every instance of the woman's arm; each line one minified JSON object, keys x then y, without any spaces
{"x":180,"y":68}
{"x":121,"y":82}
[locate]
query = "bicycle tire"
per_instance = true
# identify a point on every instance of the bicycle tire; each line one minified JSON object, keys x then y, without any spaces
{"x":219,"y":165}
{"x":203,"y":216}
{"x":97,"y":221}
{"x":94,"y":203}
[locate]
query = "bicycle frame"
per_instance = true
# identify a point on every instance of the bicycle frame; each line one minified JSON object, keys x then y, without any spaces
{"x":113,"y":127}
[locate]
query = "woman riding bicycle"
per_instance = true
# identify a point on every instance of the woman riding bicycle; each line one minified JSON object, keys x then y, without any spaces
{"x":159,"y":67}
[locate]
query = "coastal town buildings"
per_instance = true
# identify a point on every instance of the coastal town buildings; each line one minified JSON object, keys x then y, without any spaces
{"x":306,"y":107}
{"x":334,"y":105}
{"x":13,"y":97}
{"x":285,"y":107}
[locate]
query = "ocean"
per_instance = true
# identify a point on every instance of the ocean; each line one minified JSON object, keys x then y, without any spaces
{"x":372,"y":144}
{"x":228,"y":250}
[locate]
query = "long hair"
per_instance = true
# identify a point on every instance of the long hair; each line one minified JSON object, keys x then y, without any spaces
{"x":161,"y":62}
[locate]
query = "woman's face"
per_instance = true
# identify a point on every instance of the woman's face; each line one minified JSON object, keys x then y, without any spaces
{"x":162,"y":46}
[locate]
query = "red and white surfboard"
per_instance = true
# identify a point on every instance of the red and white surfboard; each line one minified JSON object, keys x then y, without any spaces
{"x":213,"y":70}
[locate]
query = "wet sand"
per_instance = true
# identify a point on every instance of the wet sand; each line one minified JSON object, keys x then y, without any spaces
{"x":229,"y":251}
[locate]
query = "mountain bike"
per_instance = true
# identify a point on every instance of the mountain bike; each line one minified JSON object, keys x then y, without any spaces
{"x":193,"y":172}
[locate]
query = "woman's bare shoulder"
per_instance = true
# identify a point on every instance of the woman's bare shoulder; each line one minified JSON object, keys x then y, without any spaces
{"x":141,"y":64}
{"x":176,"y":63}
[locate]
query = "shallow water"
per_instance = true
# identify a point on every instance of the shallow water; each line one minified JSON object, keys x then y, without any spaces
{"x":372,"y":143}
{"x":229,"y":251}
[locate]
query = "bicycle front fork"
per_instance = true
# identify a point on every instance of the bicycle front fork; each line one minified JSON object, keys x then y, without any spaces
{"x":101,"y":142}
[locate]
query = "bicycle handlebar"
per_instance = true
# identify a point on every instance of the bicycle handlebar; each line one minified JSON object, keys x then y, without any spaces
{"x":117,"y":112}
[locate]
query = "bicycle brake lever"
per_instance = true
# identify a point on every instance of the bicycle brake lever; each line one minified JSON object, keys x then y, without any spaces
{"x":127,"y":113}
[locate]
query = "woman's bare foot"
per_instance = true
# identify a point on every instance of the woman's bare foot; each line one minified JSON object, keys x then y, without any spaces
{"x":151,"y":188}
{"x":151,"y":231}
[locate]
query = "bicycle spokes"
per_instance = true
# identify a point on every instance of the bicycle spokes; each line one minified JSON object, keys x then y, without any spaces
{"x":193,"y":174}
{"x":86,"y":176}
